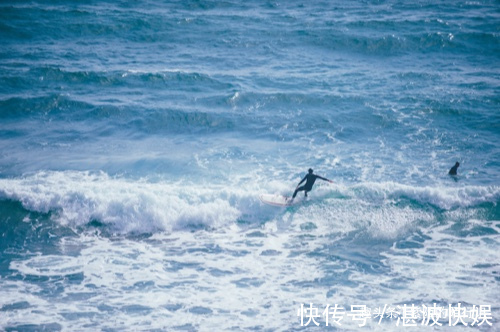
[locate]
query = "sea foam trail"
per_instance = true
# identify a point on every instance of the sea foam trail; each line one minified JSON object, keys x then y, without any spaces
{"x":141,"y":206}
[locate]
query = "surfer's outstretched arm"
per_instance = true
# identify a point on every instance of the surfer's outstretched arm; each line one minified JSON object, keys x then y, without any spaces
{"x":324,"y":179}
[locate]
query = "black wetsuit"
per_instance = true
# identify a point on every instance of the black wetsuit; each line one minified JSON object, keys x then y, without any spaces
{"x":453,"y":170}
{"x":310,"y":179}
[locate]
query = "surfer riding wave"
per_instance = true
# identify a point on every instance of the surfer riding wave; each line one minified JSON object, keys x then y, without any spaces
{"x":310,"y":178}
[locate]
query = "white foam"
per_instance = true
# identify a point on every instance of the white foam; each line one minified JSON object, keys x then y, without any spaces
{"x":238,"y":277}
{"x":387,"y":210}
{"x":180,"y":273}
{"x":142,"y":206}
{"x":126,"y":205}
{"x":442,"y":196}
{"x":447,"y":268}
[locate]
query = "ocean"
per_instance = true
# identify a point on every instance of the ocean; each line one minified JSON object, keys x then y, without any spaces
{"x":136,"y":138}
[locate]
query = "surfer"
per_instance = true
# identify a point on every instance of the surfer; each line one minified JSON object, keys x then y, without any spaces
{"x":453,"y":170}
{"x":310,"y":178}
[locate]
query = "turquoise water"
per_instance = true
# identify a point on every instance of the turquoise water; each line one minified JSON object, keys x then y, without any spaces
{"x":135,"y":139}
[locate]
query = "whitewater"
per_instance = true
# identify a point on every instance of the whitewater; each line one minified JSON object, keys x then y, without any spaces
{"x":136,"y":138}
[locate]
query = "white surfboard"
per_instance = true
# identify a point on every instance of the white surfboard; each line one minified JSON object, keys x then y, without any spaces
{"x":276,"y":200}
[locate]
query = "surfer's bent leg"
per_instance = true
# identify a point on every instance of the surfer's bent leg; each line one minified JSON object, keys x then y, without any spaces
{"x":297,"y":190}
{"x":306,"y":189}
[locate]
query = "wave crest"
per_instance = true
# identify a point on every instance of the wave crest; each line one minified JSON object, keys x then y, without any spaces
{"x":77,"y":198}
{"x":127,"y":206}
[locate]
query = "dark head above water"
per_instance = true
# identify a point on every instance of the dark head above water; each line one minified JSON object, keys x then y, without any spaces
{"x":310,"y":170}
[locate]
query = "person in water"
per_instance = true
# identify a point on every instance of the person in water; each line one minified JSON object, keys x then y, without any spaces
{"x":310,"y":178}
{"x":453,"y":170}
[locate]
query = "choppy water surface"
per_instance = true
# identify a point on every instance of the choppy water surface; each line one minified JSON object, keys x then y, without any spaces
{"x":135,"y":139}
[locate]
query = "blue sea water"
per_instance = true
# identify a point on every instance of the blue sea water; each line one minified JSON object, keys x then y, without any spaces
{"x":136,"y":137}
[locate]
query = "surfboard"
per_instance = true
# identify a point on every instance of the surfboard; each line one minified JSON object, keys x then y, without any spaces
{"x":276,"y":200}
